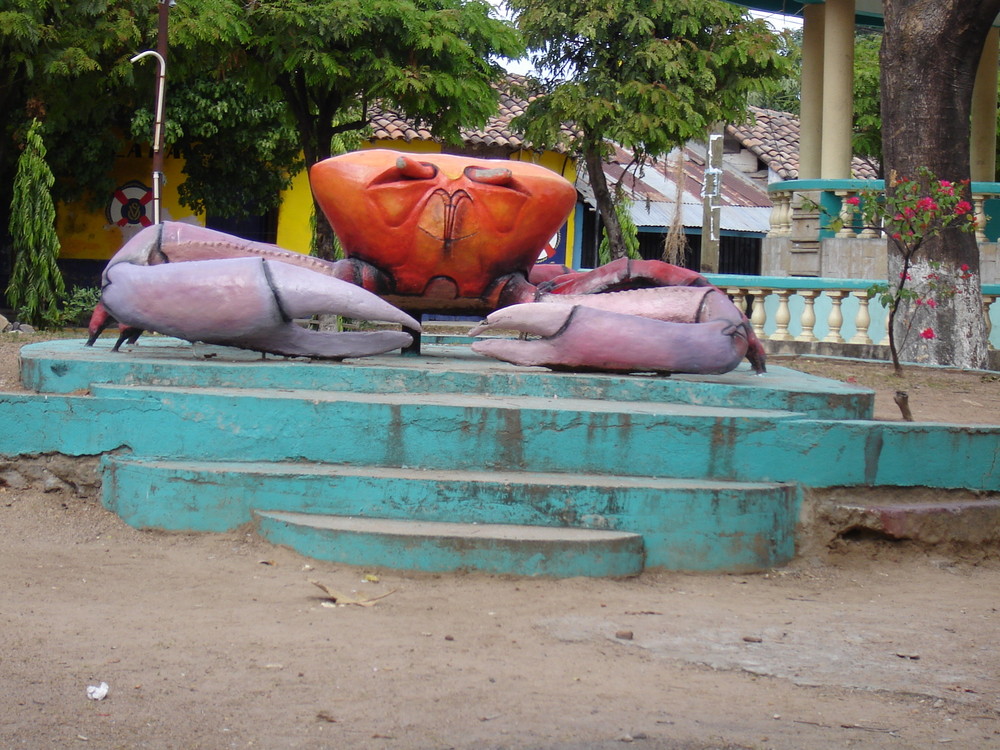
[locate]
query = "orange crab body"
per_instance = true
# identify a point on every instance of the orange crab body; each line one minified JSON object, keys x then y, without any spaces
{"x":441,"y":231}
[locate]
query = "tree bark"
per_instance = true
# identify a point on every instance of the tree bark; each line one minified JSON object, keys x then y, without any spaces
{"x":605,"y":202}
{"x":930,"y":53}
{"x":316,"y":133}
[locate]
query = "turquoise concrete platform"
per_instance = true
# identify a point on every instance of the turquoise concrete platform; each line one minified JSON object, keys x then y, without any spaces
{"x":685,"y":523}
{"x":704,"y":473}
{"x":69,"y":367}
{"x":447,"y":547}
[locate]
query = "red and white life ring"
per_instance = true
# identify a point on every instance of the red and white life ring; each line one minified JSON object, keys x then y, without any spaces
{"x":549,"y":250}
{"x":128,"y":205}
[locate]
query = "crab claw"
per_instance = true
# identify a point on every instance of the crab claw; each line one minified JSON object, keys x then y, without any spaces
{"x":250,"y":303}
{"x":576,"y":337}
{"x":663,"y":292}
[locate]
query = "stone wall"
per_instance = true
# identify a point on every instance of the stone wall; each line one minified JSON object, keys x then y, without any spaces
{"x":848,"y":258}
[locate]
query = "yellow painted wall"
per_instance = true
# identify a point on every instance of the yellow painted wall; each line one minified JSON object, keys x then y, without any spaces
{"x":295,"y":214}
{"x":86,"y":234}
{"x":565,"y":166}
{"x":411,"y":147}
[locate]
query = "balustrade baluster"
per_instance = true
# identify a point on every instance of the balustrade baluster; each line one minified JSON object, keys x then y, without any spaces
{"x":774,"y":220}
{"x":781,"y":215}
{"x":846,"y":230}
{"x":871,"y":232}
{"x":836,"y":319}
{"x":739,"y":297}
{"x":885,"y":329}
{"x":808,"y":315}
{"x":862,"y":320}
{"x":758,"y":316}
{"x":979,"y":206}
{"x":787,"y":215}
{"x":782,"y":317}
{"x":988,"y":300}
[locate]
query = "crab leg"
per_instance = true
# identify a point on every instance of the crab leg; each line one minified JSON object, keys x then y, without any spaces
{"x":622,"y":274}
{"x":175,"y":242}
{"x":249,"y":303}
{"x":584,"y":338}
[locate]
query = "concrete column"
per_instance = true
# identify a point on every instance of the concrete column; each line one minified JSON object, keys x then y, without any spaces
{"x":838,"y":89}
{"x":984,"y":111}
{"x":811,"y":103}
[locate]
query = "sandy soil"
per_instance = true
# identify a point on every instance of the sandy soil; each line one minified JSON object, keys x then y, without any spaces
{"x":934,"y":394}
{"x":221,"y":641}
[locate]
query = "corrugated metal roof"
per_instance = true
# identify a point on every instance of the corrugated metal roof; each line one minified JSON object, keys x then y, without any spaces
{"x":744,"y":205}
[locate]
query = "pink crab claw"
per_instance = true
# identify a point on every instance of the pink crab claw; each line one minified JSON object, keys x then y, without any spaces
{"x":250,"y":303}
{"x":578,"y":337}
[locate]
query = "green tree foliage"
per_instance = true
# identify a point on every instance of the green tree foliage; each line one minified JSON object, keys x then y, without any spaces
{"x":648,"y":75}
{"x":66,"y":62}
{"x":630,"y":233}
{"x":240,"y":149}
{"x":867,"y":140}
{"x":330,"y":61}
{"x":36,"y":285}
{"x":251,"y":84}
{"x":784,"y":94}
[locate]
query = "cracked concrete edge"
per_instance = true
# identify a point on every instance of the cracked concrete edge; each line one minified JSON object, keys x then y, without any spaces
{"x":948,"y":520}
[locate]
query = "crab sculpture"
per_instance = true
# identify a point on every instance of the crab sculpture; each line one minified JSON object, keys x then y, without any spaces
{"x":426,"y":234}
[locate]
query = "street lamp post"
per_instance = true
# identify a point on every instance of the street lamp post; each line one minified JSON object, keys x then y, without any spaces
{"x":161,"y":84}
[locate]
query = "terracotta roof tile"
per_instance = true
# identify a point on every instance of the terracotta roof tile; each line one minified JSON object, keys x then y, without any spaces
{"x":774,"y":137}
{"x":496,"y":133}
{"x":771,"y":135}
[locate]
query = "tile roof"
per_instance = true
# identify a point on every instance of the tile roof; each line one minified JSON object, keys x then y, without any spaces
{"x":774,"y":138}
{"x":495,"y":134}
{"x":770,"y":135}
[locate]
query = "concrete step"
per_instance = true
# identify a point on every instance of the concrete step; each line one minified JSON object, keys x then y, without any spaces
{"x":623,"y":439}
{"x":685,"y":524}
{"x":451,"y":431}
{"x":68,"y":367}
{"x":440,"y":547}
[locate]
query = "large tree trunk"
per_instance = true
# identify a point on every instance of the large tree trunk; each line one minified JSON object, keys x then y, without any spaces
{"x":314,"y":121}
{"x":605,"y":202}
{"x":930,"y":53}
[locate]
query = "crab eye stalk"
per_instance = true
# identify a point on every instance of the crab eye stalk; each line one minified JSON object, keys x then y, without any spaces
{"x":496,"y":176}
{"x":414,"y":169}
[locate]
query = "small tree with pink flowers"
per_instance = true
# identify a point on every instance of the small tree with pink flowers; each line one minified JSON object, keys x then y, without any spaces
{"x":914,"y":210}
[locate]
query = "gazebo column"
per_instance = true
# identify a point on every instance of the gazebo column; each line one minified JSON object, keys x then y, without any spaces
{"x":984,"y":112}
{"x":838,"y":89}
{"x":811,"y":105}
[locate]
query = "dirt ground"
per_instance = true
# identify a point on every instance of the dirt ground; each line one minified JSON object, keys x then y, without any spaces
{"x":221,"y":641}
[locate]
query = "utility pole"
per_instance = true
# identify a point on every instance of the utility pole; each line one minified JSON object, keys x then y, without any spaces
{"x":711,"y":211}
{"x":161,"y":85}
